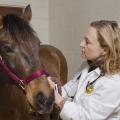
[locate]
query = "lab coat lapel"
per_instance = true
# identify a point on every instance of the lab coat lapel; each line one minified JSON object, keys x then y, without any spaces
{"x":83,"y":76}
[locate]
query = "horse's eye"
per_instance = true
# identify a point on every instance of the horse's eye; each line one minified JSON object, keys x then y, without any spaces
{"x":7,"y":48}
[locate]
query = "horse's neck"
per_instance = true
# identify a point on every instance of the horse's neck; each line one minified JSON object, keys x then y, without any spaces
{"x":9,"y":95}
{"x":13,"y":103}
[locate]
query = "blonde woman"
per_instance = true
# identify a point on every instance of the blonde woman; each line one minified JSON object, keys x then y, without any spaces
{"x":94,"y":93}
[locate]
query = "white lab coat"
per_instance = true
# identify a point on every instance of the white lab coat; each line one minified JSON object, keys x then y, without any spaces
{"x":102,"y":104}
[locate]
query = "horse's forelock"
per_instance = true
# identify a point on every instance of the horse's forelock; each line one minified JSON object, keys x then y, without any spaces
{"x":19,"y":29}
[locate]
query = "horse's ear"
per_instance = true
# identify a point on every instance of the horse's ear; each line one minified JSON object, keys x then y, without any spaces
{"x":27,"y":14}
{"x":1,"y":22}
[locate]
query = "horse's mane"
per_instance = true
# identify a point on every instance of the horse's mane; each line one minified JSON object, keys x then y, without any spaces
{"x":18,"y":28}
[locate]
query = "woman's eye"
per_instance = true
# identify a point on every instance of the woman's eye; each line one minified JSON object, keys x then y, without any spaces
{"x":87,"y":42}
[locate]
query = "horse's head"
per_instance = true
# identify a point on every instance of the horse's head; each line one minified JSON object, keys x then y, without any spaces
{"x":19,"y":48}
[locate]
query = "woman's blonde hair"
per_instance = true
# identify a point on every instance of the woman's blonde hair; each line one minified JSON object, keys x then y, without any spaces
{"x":108,"y":33}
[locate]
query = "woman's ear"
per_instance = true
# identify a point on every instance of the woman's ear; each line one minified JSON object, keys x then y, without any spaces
{"x":105,"y":51}
{"x":27,"y":14}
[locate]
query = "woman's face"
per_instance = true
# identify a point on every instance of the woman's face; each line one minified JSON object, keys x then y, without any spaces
{"x":91,"y":48}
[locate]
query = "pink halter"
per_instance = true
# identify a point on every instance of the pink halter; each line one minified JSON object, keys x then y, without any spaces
{"x":21,"y":82}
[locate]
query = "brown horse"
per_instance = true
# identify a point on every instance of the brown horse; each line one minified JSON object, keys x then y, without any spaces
{"x":24,"y":66}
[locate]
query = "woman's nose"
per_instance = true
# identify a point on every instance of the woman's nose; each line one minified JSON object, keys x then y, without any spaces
{"x":82,"y":43}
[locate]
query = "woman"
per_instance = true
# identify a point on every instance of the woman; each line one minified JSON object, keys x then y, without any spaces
{"x":94,"y":93}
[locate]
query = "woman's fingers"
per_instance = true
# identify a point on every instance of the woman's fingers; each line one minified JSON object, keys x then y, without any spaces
{"x":52,"y":84}
{"x":56,"y":88}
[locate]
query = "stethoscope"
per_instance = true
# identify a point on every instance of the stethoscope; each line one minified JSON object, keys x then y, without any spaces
{"x":88,"y":89}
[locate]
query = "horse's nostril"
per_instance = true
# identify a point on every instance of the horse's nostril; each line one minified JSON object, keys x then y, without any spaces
{"x":40,"y":98}
{"x":51,"y":99}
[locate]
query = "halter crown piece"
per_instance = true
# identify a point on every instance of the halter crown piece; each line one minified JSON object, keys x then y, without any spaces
{"x":21,"y":82}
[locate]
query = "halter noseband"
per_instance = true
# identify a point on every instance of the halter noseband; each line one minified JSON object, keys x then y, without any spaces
{"x":21,"y":82}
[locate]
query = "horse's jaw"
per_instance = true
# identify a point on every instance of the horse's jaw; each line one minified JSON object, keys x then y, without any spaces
{"x":40,"y":95}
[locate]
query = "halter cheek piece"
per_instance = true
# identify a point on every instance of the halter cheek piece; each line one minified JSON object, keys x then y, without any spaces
{"x":21,"y":83}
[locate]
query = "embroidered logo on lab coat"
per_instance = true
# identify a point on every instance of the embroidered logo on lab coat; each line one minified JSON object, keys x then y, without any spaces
{"x":90,"y":85}
{"x":89,"y":88}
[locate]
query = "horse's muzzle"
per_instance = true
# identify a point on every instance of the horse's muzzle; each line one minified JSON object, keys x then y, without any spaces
{"x":45,"y":104}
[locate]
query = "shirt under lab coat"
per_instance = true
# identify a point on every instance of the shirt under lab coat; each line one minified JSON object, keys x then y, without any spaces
{"x":102,"y":104}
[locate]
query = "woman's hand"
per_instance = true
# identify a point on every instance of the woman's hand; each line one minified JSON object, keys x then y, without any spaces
{"x":59,"y":100}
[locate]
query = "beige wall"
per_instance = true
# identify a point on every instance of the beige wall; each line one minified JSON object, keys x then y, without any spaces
{"x":69,"y":19}
{"x":39,"y":18}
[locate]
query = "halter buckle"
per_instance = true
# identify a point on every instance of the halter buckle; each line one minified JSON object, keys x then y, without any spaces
{"x":21,"y":84}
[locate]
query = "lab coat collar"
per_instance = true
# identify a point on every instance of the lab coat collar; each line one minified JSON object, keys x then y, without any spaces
{"x":94,"y":74}
{"x":98,"y":71}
